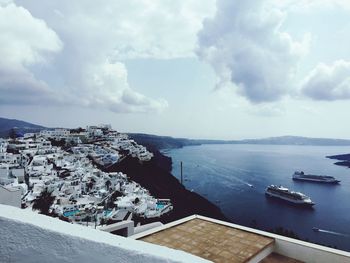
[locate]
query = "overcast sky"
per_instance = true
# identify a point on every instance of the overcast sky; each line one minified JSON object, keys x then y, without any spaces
{"x":225,"y":69}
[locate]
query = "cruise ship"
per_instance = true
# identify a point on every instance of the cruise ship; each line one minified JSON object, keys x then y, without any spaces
{"x":301,"y":176}
{"x":287,"y":195}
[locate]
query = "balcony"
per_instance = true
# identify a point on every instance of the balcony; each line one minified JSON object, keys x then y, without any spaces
{"x":220,"y":241}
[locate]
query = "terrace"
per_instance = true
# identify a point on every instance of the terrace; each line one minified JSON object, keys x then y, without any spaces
{"x":220,"y":241}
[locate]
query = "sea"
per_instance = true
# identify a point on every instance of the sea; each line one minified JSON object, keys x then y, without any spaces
{"x":235,"y":176}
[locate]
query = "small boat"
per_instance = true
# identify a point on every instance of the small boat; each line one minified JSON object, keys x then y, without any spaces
{"x":315,"y":229}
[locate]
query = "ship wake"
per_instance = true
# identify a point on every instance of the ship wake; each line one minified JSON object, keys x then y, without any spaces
{"x":333,"y":233}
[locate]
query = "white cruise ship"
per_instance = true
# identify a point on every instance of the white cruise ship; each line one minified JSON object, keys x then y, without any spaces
{"x":287,"y":195}
{"x":301,"y":176}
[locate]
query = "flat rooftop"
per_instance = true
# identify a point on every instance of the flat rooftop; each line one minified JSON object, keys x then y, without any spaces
{"x":215,"y":242}
{"x":219,"y":241}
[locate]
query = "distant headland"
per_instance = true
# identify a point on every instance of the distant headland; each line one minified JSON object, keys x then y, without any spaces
{"x":344,"y":159}
{"x":168,"y":142}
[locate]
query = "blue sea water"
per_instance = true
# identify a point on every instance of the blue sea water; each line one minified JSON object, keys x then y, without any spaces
{"x":234,"y":177}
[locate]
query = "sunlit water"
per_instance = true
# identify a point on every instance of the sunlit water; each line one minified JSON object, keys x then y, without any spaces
{"x":234,"y":177}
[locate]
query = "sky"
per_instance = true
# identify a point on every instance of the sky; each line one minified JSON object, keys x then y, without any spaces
{"x":215,"y":69}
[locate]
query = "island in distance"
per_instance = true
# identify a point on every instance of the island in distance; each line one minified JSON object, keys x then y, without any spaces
{"x":155,"y":142}
{"x":344,"y":159}
{"x":167,"y":142}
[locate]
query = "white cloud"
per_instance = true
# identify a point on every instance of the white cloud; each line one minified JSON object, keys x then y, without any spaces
{"x":328,"y":82}
{"x":100,"y":86}
{"x":267,"y":110}
{"x":72,"y":52}
{"x":24,"y":41}
{"x":312,"y":5}
{"x":127,"y":29}
{"x":88,"y":71}
{"x":246,"y":47}
{"x":20,"y":35}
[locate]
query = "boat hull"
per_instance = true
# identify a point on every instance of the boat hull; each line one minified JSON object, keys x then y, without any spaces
{"x":290,"y":201}
{"x":316,"y":181}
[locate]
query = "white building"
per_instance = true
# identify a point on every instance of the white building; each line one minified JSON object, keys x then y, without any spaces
{"x":56,"y":134}
{"x":29,"y":135}
{"x":3,"y":146}
{"x":10,"y":196}
{"x":94,"y":131}
{"x":18,"y":173}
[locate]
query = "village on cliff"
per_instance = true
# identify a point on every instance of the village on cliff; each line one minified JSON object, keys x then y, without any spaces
{"x":63,"y":173}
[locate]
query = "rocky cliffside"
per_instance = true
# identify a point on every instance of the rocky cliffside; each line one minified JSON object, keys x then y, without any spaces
{"x":156,"y":177}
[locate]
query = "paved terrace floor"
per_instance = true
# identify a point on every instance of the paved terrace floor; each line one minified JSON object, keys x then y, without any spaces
{"x":212,"y":241}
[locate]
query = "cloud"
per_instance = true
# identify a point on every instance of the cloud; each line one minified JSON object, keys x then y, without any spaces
{"x":107,"y":86}
{"x":312,"y":5}
{"x":247,"y":48}
{"x":328,"y":82}
{"x":83,"y":63}
{"x":267,"y":110}
{"x":24,"y":41}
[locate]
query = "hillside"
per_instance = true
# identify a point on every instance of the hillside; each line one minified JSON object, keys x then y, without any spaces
{"x":297,"y":140}
{"x":156,"y":177}
{"x":21,"y":127}
{"x":155,"y":142}
{"x":165,"y":142}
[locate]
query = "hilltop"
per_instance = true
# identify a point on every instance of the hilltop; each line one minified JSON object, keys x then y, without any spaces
{"x":157,"y":142}
{"x":166,"y":142}
{"x":21,"y":126}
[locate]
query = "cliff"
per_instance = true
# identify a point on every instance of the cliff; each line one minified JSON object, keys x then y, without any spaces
{"x":156,"y":177}
{"x":21,"y":127}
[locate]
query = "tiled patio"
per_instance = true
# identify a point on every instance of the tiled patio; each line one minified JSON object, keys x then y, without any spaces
{"x":211,"y":241}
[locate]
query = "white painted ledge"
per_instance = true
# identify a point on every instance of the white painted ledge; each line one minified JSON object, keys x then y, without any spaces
{"x":31,"y":238}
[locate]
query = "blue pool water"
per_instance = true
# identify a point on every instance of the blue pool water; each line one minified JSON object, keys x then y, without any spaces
{"x":160,"y":206}
{"x":234,"y":177}
{"x":70,"y":213}
{"x":107,"y":212}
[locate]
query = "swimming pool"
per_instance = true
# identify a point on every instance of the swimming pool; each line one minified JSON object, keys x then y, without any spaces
{"x":70,"y":213}
{"x":160,"y":206}
{"x":107,"y":212}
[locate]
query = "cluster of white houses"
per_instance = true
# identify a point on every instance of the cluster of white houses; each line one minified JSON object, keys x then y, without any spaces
{"x":83,"y":193}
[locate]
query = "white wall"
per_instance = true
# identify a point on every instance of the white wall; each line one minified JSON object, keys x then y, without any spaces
{"x":29,"y":237}
{"x":10,"y":196}
{"x":309,"y":252}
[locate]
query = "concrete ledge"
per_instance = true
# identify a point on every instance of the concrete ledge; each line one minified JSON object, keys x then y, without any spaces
{"x":147,"y":227}
{"x":30,"y":238}
{"x":263,"y":254}
{"x":127,"y":226}
{"x":160,"y":228}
